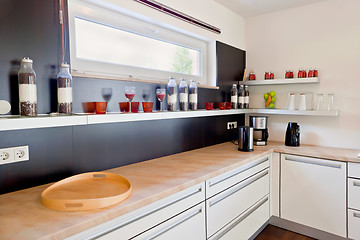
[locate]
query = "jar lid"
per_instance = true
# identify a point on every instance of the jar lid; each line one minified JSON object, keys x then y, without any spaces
{"x":26,"y":60}
{"x":64,"y":65}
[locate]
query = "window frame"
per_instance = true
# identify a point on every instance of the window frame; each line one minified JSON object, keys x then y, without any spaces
{"x":114,"y":16}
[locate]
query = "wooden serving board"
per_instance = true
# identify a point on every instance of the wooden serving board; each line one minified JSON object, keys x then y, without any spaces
{"x":86,"y":191}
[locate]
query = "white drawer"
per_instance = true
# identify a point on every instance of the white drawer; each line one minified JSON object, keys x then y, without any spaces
{"x":354,"y":170}
{"x":187,"y":225}
{"x":353,"y":224}
{"x":229,"y":204}
{"x":354,"y":193}
{"x":140,"y":220}
{"x":228,"y":179}
{"x":244,"y":226}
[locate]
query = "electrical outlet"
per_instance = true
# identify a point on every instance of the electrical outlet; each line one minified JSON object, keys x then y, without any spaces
{"x":6,"y":155}
{"x":231,"y":125}
{"x":21,"y":153}
{"x":14,"y":154}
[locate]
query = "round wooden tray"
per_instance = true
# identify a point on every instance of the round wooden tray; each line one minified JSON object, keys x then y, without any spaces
{"x":86,"y":191}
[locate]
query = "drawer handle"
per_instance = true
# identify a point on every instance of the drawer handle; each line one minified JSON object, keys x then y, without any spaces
{"x":180,"y":221}
{"x":116,"y":225}
{"x":356,"y":184}
{"x":312,"y":161}
{"x":357,"y":215}
{"x":234,"y":224}
{"x":238,"y":188}
{"x":259,"y":161}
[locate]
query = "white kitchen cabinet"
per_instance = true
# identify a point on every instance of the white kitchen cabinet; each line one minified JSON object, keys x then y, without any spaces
{"x":313,"y":193}
{"x":187,"y":225}
{"x":142,"y":219}
{"x":245,"y":225}
{"x":354,"y":201}
{"x":230,"y":178}
{"x":224,"y":207}
{"x":354,"y":193}
{"x":354,"y":224}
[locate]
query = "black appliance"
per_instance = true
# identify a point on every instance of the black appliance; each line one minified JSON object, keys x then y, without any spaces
{"x":261,"y":133}
{"x":292,"y":137}
{"x":246,"y":137}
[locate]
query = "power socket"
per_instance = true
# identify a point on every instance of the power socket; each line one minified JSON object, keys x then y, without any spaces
{"x":231,"y":125}
{"x":21,"y":153}
{"x":6,"y":155}
{"x":14,"y":154}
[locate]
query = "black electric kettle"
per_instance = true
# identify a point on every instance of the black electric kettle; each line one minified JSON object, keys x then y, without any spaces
{"x":246,"y":139}
{"x":292,"y":137}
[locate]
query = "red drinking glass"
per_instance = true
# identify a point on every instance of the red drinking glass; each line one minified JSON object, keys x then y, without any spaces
{"x":209,"y":106}
{"x":147,"y":106}
{"x":100,"y":107}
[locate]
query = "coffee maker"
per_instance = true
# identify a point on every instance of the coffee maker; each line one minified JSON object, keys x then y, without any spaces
{"x":259,"y":123}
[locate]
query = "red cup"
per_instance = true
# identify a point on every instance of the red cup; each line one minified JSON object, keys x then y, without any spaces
{"x":124,"y":107}
{"x":209,"y":106}
{"x":228,"y":105}
{"x":221,"y":105}
{"x":147,"y":106}
{"x":100,"y":107}
{"x":135,"y":107}
{"x":88,"y":107}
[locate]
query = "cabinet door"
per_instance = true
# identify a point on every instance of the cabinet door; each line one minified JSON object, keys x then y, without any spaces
{"x":354,"y":193}
{"x":228,"y":179}
{"x":229,"y":204}
{"x":142,"y":219}
{"x":244,"y":226}
{"x":187,"y":225}
{"x":354,"y":224}
{"x":313,"y":193}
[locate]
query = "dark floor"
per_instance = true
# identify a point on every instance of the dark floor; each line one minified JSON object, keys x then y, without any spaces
{"x":274,"y":233}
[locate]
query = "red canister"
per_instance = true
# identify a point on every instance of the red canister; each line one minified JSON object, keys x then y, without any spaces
{"x":311,"y":73}
{"x":300,"y":73}
{"x":304,"y":75}
{"x":315,"y":72}
{"x":252,"y":76}
{"x":287,"y":74}
{"x":267,"y":75}
{"x":272,"y":76}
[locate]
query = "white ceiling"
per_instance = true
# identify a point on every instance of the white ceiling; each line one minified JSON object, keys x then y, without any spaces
{"x":250,"y":8}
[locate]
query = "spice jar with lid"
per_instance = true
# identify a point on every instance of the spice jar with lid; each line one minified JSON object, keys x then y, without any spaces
{"x":172,"y":91}
{"x":193,"y":95}
{"x":27,"y":88}
{"x":184,"y":95}
{"x":64,"y":90}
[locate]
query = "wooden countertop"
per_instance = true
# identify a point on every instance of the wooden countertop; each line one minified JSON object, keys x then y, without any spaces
{"x":22,"y":216}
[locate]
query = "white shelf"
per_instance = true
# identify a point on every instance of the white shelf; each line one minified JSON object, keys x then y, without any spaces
{"x":45,"y":121}
{"x":280,"y":81}
{"x":42,"y":121}
{"x":334,"y":113}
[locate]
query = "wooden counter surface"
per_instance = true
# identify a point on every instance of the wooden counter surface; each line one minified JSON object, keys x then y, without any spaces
{"x":22,"y":216}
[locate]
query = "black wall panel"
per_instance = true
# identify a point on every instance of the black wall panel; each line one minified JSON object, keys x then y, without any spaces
{"x":50,"y":152}
{"x":104,"y":146}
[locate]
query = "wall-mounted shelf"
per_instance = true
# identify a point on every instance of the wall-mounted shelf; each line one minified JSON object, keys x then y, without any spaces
{"x":333,"y":113}
{"x":45,"y":121}
{"x":280,"y":81}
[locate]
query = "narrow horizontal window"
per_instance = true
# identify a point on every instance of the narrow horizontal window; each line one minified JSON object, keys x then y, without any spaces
{"x":99,"y":42}
{"x":108,"y":40}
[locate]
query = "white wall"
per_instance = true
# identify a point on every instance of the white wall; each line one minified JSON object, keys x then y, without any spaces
{"x":324,"y":35}
{"x":232,"y":25}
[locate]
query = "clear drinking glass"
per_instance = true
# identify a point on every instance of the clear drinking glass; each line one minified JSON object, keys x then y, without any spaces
{"x":106,"y":93}
{"x":130,"y":94}
{"x":331,"y":102}
{"x":160,"y":94}
{"x":319,"y":101}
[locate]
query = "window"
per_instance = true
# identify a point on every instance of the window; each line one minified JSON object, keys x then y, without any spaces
{"x":106,"y":40}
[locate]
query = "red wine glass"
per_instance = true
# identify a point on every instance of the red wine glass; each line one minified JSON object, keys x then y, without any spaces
{"x":160,"y":94}
{"x":130,"y":94}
